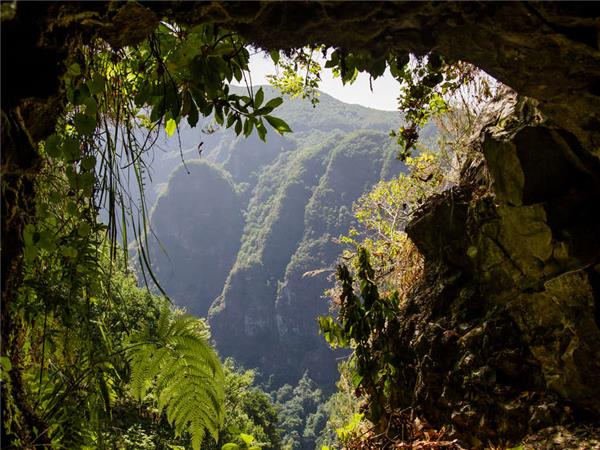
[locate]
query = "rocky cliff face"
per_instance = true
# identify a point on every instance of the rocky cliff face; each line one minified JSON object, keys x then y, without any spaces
{"x":248,"y":225}
{"x":503,"y":336}
{"x":197,"y":224}
{"x":266,"y":314}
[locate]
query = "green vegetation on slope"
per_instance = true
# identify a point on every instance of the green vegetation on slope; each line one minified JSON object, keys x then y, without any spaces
{"x":266,"y":314}
{"x":197,"y":223}
{"x":106,"y":364}
{"x":297,"y":199}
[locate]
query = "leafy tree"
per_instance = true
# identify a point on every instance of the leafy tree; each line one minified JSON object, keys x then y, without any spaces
{"x":298,"y":73}
{"x":248,"y":411}
{"x":299,"y":415}
{"x":383,"y":213}
{"x":367,"y":323}
{"x":340,"y":410}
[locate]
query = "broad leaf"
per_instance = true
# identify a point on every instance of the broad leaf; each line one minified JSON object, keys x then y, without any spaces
{"x":279,"y":124}
{"x":170,"y":127}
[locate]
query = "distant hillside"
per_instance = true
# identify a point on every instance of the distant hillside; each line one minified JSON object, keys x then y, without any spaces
{"x":300,"y":205}
{"x":243,"y":156}
{"x":198,"y":222}
{"x":243,"y":229}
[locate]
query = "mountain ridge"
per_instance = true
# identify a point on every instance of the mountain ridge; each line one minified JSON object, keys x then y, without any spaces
{"x":295,"y":194}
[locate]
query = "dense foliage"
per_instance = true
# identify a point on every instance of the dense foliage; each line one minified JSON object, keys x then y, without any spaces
{"x":82,"y":334}
{"x":300,"y":418}
{"x":385,"y":266}
{"x":78,"y":346}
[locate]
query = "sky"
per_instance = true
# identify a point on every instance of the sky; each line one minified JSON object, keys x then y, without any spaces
{"x":383,"y":97}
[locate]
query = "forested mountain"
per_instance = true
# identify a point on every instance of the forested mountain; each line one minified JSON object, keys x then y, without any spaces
{"x":241,"y":156}
{"x":240,"y":231}
{"x":199,"y":221}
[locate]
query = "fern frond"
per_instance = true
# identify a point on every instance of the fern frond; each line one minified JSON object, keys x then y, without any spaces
{"x":186,"y":374}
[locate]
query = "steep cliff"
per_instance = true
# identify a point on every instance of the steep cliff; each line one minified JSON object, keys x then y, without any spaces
{"x":296,"y":196}
{"x":197,"y":223}
{"x":502,"y":338}
{"x":266,"y":315}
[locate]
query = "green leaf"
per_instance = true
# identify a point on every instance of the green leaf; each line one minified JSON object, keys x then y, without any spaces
{"x":143,"y":95}
{"x":279,"y":124}
{"x":170,"y":127}
{"x":356,"y":379}
{"x":172,"y":102}
{"x":261,"y":130}
{"x":84,"y":229}
{"x":88,"y":163}
{"x":274,"y":103}
{"x":232,"y":429}
{"x":219,"y":115}
{"x":238,"y":126}
{"x":80,"y":95}
{"x":70,"y":149}
{"x":91,"y":106}
{"x":187,"y":103}
{"x":84,"y":124}
{"x":247,"y":438}
{"x":258,"y":98}
{"x":274,"y":56}
{"x":68,"y":252}
{"x":193,"y":115}
{"x":74,"y":69}
{"x":96,"y":84}
{"x":52,"y":146}
{"x":230,"y":120}
{"x":230,"y":446}
{"x":378,"y":68}
{"x":248,"y":126}
{"x":47,"y":240}
{"x":158,"y":109}
{"x":86,"y":181}
{"x":237,"y":73}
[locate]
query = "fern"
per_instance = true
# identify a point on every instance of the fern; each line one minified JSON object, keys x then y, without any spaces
{"x":176,"y":361}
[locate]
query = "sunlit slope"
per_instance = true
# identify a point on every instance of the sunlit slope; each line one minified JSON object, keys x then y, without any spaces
{"x":244,"y":227}
{"x":266,"y":315}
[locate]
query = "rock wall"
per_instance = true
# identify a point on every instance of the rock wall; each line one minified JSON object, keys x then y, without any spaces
{"x":197,"y":225}
{"x":503,"y":337}
{"x":266,"y":315}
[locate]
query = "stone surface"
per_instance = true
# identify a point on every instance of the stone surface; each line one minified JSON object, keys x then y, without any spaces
{"x":507,"y":277}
